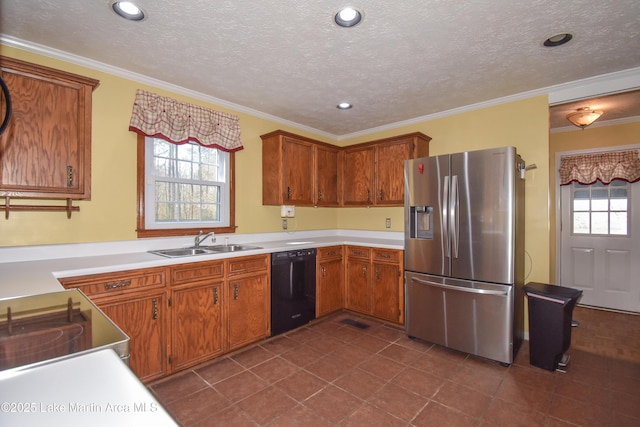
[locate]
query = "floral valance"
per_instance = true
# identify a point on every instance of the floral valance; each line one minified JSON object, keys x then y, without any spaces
{"x":181,"y":122}
{"x":587,"y":168}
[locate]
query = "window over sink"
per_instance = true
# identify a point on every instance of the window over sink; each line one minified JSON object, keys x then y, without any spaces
{"x":184,"y":188}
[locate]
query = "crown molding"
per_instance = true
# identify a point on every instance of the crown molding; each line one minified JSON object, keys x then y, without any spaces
{"x":580,"y":89}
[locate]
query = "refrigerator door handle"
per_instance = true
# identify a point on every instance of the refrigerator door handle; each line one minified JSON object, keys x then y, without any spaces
{"x":455,"y":221}
{"x":444,"y":224}
{"x":459,"y":288}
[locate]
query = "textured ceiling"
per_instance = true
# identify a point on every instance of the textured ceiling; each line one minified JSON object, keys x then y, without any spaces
{"x":288,"y":59}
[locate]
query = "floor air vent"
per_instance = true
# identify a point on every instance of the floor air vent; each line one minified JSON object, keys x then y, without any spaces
{"x":355,"y":323}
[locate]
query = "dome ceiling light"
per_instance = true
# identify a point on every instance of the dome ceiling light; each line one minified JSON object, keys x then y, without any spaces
{"x":344,"y":106}
{"x":558,"y":40}
{"x":348,"y":17}
{"x":128,"y":10}
{"x":583,"y":117}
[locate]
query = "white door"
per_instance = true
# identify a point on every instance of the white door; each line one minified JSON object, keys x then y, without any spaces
{"x":600,"y":246}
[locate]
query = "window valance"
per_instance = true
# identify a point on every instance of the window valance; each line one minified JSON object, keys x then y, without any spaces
{"x":587,"y":168}
{"x":181,"y":122}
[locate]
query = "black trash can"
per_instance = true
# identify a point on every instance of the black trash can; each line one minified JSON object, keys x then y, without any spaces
{"x":550,"y":311}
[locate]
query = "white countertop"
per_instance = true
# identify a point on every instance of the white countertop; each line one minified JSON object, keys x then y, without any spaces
{"x":95,"y":389}
{"x":34,"y":270}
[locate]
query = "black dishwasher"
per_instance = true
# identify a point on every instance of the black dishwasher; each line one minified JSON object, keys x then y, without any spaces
{"x":293,"y":289}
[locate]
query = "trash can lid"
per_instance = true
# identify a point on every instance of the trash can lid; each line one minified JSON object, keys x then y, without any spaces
{"x":552,"y":291}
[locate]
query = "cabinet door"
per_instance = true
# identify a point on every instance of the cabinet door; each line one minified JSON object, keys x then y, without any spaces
{"x":46,"y":149}
{"x":298,"y":172}
{"x":358,"y":176}
{"x":386,"y":292}
{"x":196,"y":324}
{"x":248,"y":302}
{"x":326,"y":176}
{"x":389,"y":172}
{"x":143,"y":319}
{"x":358,"y":285}
{"x":329,"y":286}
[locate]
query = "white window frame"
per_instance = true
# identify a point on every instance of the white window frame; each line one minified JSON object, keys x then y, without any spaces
{"x":149,"y":194}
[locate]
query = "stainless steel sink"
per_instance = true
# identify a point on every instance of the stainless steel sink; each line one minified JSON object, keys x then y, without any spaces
{"x":202,"y":250}
{"x":180,"y":252}
{"x":232,"y":248}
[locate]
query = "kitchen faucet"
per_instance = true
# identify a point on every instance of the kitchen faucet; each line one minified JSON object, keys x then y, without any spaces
{"x":200,"y":238}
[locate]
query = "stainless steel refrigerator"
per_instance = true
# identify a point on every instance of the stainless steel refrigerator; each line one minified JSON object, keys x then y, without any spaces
{"x":464,"y":251}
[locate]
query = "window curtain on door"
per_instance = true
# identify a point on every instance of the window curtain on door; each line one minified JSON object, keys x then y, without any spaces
{"x":587,"y":168}
{"x":181,"y":122}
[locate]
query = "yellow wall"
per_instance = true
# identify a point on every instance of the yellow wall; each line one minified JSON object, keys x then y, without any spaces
{"x":111,"y":213}
{"x":586,"y":139}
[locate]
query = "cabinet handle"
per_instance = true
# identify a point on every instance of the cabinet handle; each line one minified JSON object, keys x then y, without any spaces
{"x":364,"y":270}
{"x":319,"y":194}
{"x":154,"y":309}
{"x":116,"y":285}
{"x":386,"y":256}
{"x":215,"y":296}
{"x":377,"y":273}
{"x":69,"y":176}
{"x":288,"y":192}
{"x":324,"y":271}
{"x":380,"y":195}
{"x":368,"y":195}
{"x":236,"y":291}
{"x":331,"y":253}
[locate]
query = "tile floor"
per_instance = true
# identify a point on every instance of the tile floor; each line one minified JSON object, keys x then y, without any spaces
{"x":330,"y":373}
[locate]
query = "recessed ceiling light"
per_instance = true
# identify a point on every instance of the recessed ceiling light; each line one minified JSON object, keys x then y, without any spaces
{"x":348,"y":17}
{"x":128,"y":10}
{"x":344,"y":106}
{"x":558,"y":39}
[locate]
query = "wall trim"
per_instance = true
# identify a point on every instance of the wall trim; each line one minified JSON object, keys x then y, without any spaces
{"x":616,"y":82}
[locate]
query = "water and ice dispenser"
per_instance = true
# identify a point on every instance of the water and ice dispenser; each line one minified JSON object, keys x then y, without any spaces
{"x":421,"y":222}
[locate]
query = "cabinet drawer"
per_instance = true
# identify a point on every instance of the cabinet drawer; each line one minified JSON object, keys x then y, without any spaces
{"x":358,"y":252}
{"x":389,"y":255}
{"x":193,"y":271}
{"x":330,"y":252}
{"x":117,"y":283}
{"x":248,"y":264}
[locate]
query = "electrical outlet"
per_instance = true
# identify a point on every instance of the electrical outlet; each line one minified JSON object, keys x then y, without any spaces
{"x":387,"y":222}
{"x":284,"y":224}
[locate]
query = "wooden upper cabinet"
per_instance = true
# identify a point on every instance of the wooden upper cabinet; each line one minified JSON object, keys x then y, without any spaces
{"x":358,"y":176}
{"x":297,"y":165}
{"x":45,"y":151}
{"x":374,"y":171}
{"x":301,"y":171}
{"x":298,"y":171}
{"x":327,"y":160}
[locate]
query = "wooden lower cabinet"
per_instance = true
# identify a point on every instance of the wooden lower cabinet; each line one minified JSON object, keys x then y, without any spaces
{"x":144,"y":319}
{"x":197,"y":323}
{"x":329,"y":280}
{"x":388,"y":284}
{"x":374,"y":282}
{"x":197,"y":313}
{"x":136,"y":301}
{"x":248,"y":300}
{"x":249,"y":312}
{"x":358,"y":279}
{"x":179,"y":316}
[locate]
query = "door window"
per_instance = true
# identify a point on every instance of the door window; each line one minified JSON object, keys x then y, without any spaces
{"x":599,"y":209}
